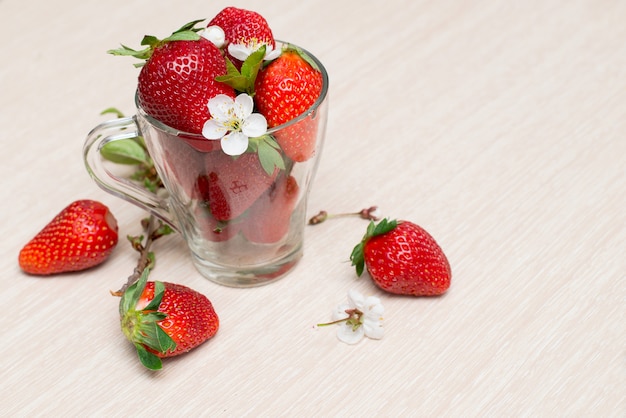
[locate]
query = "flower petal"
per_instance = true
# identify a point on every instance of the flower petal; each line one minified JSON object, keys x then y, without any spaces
{"x":239,"y":51}
{"x":340,"y":312}
{"x":356,"y":300}
{"x":271,"y":54}
{"x":373,"y":304}
{"x":347,"y":334}
{"x":373,"y":329}
{"x":213,"y":129}
{"x":254,"y":125}
{"x":220,"y":107}
{"x":214,"y":34}
{"x":245,"y":104}
{"x":235,"y":143}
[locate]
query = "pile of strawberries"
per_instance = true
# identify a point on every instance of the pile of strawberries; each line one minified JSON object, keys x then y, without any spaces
{"x":234,"y":54}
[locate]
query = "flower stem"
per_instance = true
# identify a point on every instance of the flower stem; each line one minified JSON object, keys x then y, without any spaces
{"x":370,"y":213}
{"x":354,"y":318}
{"x":144,"y":258}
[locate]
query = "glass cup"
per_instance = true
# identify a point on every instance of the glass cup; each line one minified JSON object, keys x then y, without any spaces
{"x":243,"y":226}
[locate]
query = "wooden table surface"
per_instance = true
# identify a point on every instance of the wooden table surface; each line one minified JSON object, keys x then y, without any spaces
{"x":500,"y":127}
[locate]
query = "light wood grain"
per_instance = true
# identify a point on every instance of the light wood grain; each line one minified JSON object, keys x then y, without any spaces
{"x":498,"y":126}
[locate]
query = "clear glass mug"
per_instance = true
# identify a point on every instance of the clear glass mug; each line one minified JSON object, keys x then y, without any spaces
{"x":232,"y":242}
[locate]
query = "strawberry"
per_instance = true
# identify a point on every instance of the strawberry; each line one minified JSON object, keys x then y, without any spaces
{"x":244,"y":27}
{"x":178,"y":78}
{"x":285,"y":89}
{"x":269,"y":217}
{"x":165,"y":319}
{"x":402,"y":258}
{"x":182,"y":162}
{"x":212,"y":229}
{"x":81,"y":236}
{"x":231,"y":185}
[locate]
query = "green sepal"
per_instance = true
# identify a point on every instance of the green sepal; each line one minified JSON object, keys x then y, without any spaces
{"x":131,"y":296}
{"x":186,"y":33}
{"x":151,"y":41}
{"x":182,"y":36}
{"x":125,"y":151}
{"x":159,"y":290}
{"x":154,"y":337}
{"x":303,"y":55}
{"x":243,"y":81}
{"x":148,"y":359}
{"x":358,"y":252}
{"x":190,"y":26}
{"x":268,"y":151}
{"x":141,"y":327}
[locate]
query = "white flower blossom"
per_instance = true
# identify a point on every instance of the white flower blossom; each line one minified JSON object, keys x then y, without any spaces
{"x":214,"y":34}
{"x":243,"y":51}
{"x":232,"y":122}
{"x":359,"y":317}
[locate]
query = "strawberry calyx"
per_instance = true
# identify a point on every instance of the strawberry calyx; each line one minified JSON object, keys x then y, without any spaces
{"x":303,"y":55}
{"x":243,"y":81}
{"x":141,"y":326}
{"x":187,"y":32}
{"x":358,"y":253}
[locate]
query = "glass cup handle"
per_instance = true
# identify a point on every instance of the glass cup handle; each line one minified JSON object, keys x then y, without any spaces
{"x":115,"y":130}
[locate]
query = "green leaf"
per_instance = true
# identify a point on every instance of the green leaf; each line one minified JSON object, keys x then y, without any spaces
{"x":250,"y":68}
{"x":164,"y":341}
{"x":151,"y":41}
{"x":190,"y":26}
{"x":114,"y":111}
{"x":162,"y":230}
{"x":133,"y":293}
{"x":182,"y":36}
{"x":383,"y":227}
{"x":358,"y":258}
{"x":125,"y":51}
{"x":269,"y":156}
{"x":243,"y":81}
{"x":148,"y":359}
{"x":233,"y":77}
{"x":303,"y":55}
{"x":358,"y":252}
{"x":151,"y":260}
{"x":125,"y":151}
{"x":153,"y":336}
{"x":159,"y":290}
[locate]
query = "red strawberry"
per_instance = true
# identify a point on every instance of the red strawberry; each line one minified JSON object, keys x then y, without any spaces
{"x":210,"y":228}
{"x":178,"y":78}
{"x":286,"y":89}
{"x":268,"y":219}
{"x":182,"y":162}
{"x":165,"y":319}
{"x":244,"y":27}
{"x":232,"y":184}
{"x":81,"y":236}
{"x":402,"y":258}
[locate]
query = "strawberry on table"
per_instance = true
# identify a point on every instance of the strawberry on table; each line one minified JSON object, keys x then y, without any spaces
{"x":286,"y":89}
{"x":402,"y":258}
{"x":81,"y":236}
{"x":165,"y":319}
